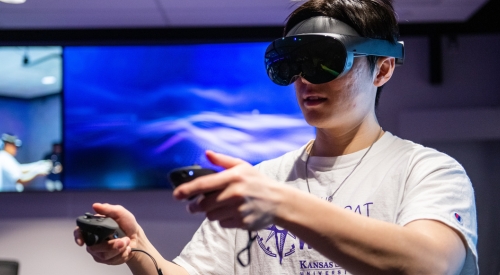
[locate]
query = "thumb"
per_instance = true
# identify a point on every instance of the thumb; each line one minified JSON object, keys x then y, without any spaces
{"x":105,"y":209}
{"x":222,"y":160}
{"x":116,"y":212}
{"x":122,"y":216}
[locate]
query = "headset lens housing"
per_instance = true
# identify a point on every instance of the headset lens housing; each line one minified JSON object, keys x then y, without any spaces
{"x":317,"y":58}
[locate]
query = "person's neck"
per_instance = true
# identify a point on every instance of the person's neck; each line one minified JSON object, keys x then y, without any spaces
{"x":345,"y":140}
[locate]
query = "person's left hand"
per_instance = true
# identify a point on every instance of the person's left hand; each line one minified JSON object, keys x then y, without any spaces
{"x":238,"y":197}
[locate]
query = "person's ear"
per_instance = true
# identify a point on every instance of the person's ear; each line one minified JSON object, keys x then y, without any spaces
{"x":384,"y":70}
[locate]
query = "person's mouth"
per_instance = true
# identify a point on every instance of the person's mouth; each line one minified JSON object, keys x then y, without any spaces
{"x":314,"y":100}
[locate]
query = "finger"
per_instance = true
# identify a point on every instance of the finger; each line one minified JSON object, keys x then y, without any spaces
{"x":214,"y":200}
{"x":231,"y":223}
{"x":78,"y":236}
{"x":222,"y":160}
{"x":113,"y":211}
{"x":103,"y":252}
{"x":236,"y":215}
{"x":205,"y":184}
{"x":211,"y":182}
{"x":201,"y":203}
{"x":215,"y":181}
{"x":115,"y":244}
{"x":254,"y":222}
{"x":121,"y":258}
{"x":223,"y":213}
{"x":122,"y":216}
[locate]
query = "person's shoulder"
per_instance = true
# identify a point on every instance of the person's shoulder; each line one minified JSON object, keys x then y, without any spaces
{"x":423,"y":155}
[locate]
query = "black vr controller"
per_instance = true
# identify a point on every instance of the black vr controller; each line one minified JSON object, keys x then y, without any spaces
{"x":187,"y":173}
{"x":96,"y":229}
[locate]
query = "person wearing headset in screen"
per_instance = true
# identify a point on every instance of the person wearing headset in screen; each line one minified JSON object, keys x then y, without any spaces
{"x":13,"y":175}
{"x":355,"y":200}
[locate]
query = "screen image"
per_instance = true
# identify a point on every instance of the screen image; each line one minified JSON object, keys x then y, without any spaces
{"x":133,"y":113}
{"x":30,"y":119}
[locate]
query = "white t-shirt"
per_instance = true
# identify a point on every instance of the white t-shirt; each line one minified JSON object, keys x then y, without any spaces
{"x":10,"y":171}
{"x":398,"y":181}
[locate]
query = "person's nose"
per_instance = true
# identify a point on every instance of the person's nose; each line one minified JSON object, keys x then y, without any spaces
{"x":303,"y":80}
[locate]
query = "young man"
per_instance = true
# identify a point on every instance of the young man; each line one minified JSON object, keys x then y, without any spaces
{"x":356,"y":200}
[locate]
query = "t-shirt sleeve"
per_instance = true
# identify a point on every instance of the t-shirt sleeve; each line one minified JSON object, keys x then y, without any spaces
{"x":438,"y":188}
{"x":210,"y":251}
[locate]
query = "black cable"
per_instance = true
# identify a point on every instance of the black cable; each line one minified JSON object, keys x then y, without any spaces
{"x":154,"y":261}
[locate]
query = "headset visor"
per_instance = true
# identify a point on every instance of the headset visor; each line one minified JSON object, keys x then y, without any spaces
{"x":317,"y":58}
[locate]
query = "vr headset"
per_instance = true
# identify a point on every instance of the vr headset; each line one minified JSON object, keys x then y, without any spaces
{"x":321,"y":49}
{"x":10,"y":139}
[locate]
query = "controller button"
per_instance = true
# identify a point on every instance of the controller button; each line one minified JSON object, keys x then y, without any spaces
{"x":89,"y":215}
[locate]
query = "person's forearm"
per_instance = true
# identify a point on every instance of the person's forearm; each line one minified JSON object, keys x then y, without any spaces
{"x":359,"y":244}
{"x":26,"y":178}
{"x":142,"y":264}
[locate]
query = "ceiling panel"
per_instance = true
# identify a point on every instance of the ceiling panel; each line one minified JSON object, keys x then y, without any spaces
{"x":226,"y":16}
{"x":63,"y":14}
{"x":43,"y":5}
{"x":28,"y":72}
{"x":79,"y":19}
{"x":214,"y":5}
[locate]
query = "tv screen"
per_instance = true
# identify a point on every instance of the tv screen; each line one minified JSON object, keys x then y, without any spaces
{"x":30,"y":119}
{"x":133,"y":113}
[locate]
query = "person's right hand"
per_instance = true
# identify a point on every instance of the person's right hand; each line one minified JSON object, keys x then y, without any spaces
{"x":114,"y":251}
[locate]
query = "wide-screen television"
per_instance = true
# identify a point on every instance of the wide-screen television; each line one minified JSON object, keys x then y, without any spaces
{"x":133,"y":113}
{"x":30,"y":118}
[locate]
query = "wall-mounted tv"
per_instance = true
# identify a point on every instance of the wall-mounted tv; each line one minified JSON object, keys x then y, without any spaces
{"x":132,"y":113}
{"x":30,"y":118}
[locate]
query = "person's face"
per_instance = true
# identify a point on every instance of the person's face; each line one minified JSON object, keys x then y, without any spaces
{"x":56,"y":149}
{"x":11,"y":149}
{"x":344,"y":101}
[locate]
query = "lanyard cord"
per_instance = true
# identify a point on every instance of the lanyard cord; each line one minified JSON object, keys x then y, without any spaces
{"x":251,"y":239}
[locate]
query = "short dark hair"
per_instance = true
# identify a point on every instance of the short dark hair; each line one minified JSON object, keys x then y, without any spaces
{"x":370,"y":18}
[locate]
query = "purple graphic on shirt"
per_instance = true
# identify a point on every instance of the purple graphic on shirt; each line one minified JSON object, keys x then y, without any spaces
{"x":275,"y":243}
{"x":279,"y":236}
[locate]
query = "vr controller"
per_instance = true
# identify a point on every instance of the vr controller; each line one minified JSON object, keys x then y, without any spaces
{"x":188,"y":173}
{"x":96,"y":229}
